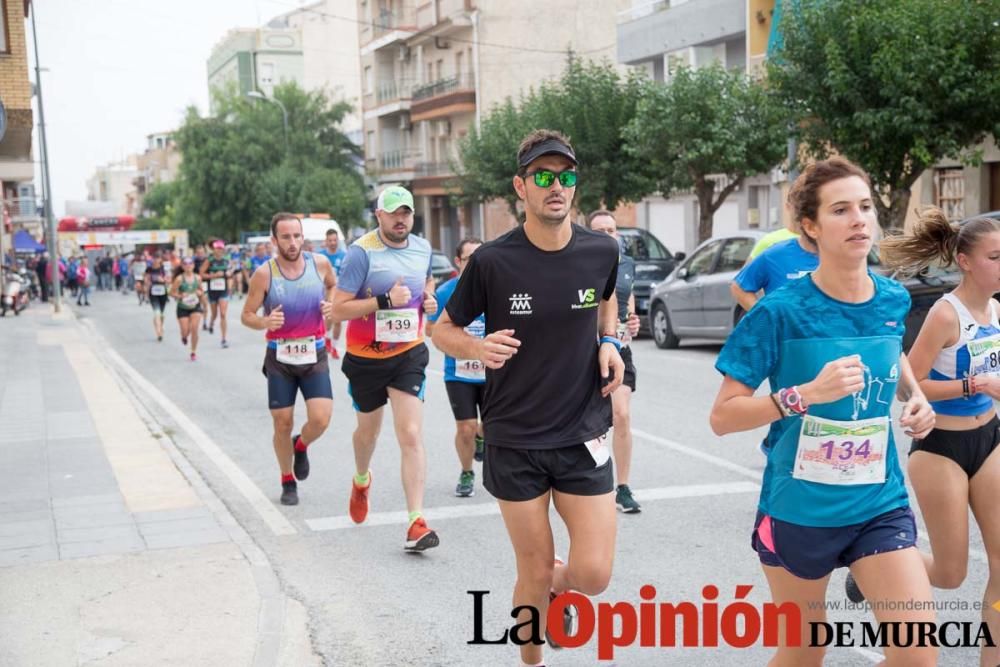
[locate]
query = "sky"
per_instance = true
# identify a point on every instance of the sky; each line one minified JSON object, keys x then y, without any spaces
{"x":117,"y":70}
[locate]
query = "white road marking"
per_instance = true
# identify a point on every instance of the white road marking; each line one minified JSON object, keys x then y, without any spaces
{"x":755,"y":475}
{"x":463,"y":511}
{"x":274,"y":519}
{"x":871,"y":655}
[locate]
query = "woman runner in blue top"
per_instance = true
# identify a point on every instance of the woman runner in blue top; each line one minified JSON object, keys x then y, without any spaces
{"x":830,"y":345}
{"x":956,"y":357}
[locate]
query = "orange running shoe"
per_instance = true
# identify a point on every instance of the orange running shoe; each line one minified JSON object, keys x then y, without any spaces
{"x":359,"y":500}
{"x":419,"y":537}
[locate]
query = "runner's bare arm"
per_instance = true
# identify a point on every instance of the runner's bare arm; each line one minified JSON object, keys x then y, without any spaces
{"x":917,"y":417}
{"x":493,"y":351}
{"x":330,"y":283}
{"x":747,"y":300}
{"x":255,"y":299}
{"x":430,"y":298}
{"x":736,"y":408}
{"x":609,"y":358}
{"x":175,"y":288}
{"x":939,"y":330}
{"x":347,"y":307}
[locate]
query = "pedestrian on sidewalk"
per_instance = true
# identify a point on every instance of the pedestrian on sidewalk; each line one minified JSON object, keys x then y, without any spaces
{"x":83,"y":280}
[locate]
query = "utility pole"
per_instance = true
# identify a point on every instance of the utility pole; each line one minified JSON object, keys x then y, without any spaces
{"x":50,"y":223}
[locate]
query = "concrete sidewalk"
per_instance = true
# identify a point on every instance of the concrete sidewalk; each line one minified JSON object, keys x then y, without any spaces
{"x":113,"y":551}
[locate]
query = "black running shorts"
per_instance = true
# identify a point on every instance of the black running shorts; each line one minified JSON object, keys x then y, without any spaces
{"x":369,"y":379}
{"x":629,"y":380}
{"x":523,"y":474}
{"x":466,"y":399}
{"x":284,"y":381}
{"x":158,"y":302}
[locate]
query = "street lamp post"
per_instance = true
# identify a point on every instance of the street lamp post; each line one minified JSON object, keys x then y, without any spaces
{"x":50,"y":223}
{"x":257,"y":95}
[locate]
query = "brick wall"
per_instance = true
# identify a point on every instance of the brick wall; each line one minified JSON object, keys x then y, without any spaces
{"x":15,"y":88}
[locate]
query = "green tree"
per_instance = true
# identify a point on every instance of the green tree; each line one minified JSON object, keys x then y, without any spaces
{"x":706,"y":131}
{"x":894,"y":85}
{"x":159,"y":203}
{"x":591,"y":103}
{"x":239,"y":168}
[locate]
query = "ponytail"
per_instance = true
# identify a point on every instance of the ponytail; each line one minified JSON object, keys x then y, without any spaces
{"x":934,"y":240}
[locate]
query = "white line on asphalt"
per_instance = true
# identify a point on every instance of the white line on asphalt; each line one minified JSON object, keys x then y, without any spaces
{"x":755,"y":475}
{"x":275,"y":520}
{"x":492,"y":508}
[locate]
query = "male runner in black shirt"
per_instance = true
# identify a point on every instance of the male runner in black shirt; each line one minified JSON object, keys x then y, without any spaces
{"x":547,"y":289}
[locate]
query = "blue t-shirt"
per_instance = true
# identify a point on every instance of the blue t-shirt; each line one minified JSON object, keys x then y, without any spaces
{"x":787,"y":338}
{"x":476,"y":328}
{"x":336,"y":258}
{"x":776,"y":266}
{"x":257,"y":262}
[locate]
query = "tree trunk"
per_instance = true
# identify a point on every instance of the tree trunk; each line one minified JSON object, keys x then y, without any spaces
{"x":899,"y":201}
{"x":706,"y":213}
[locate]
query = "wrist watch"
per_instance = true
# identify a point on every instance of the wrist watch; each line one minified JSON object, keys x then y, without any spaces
{"x":792,"y":400}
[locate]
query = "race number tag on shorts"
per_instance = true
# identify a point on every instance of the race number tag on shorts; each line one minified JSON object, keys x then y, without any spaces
{"x":842,"y":452}
{"x":470,"y":369}
{"x":297,"y":351}
{"x":396,"y":326}
{"x":598,"y":448}
{"x":158,"y":290}
{"x":217,"y":285}
{"x":985,"y":355}
{"x":190,"y":300}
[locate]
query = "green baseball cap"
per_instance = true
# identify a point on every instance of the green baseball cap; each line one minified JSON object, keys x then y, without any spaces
{"x":393,"y":197}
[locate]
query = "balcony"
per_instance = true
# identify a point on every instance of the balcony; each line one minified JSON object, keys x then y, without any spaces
{"x":394,"y":165}
{"x":433,"y":169}
{"x":22,"y":210}
{"x":650,"y":30}
{"x":390,"y":96}
{"x":388,"y":28}
{"x":443,"y":98}
{"x":449,"y":14}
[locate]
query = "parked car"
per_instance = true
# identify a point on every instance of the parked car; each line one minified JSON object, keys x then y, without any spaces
{"x":695,"y":302}
{"x":441,"y":268}
{"x":653,"y":263}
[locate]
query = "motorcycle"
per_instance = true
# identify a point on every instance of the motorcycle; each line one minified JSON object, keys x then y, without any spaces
{"x":14,"y":296}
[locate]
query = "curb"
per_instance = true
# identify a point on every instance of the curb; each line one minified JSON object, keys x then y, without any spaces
{"x":271,"y":615}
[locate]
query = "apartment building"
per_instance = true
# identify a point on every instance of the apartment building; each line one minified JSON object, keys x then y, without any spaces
{"x":158,"y":163}
{"x":20,"y":208}
{"x":256,"y":59}
{"x":431,"y":68}
{"x":113,"y":183}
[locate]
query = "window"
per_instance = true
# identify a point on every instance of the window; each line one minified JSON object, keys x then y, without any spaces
{"x":701,"y":261}
{"x":734,"y":254}
{"x":267,"y":74}
{"x":369,"y":83}
{"x":642,"y":246}
{"x":459,"y":68}
{"x":4,"y":39}
{"x":370,"y":147}
{"x":949,"y":192}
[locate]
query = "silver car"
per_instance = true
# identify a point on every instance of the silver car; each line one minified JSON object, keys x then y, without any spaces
{"x":694,"y":300}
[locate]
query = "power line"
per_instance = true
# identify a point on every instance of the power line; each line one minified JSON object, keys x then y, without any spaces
{"x":509,"y":47}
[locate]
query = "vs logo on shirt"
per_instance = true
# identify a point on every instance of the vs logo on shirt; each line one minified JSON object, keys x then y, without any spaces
{"x":587,"y":299}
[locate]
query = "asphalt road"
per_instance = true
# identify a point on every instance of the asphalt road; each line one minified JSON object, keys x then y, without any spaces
{"x":372,"y":604}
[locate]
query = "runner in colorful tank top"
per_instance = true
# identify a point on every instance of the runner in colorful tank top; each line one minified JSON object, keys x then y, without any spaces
{"x":384,"y":291}
{"x":295,"y":289}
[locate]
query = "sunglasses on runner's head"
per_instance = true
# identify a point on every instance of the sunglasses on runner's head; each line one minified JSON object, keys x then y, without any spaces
{"x":544,"y":178}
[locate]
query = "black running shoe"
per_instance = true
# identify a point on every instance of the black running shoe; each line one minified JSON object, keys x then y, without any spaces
{"x":852,"y":590}
{"x":289,"y":493}
{"x":301,"y":465}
